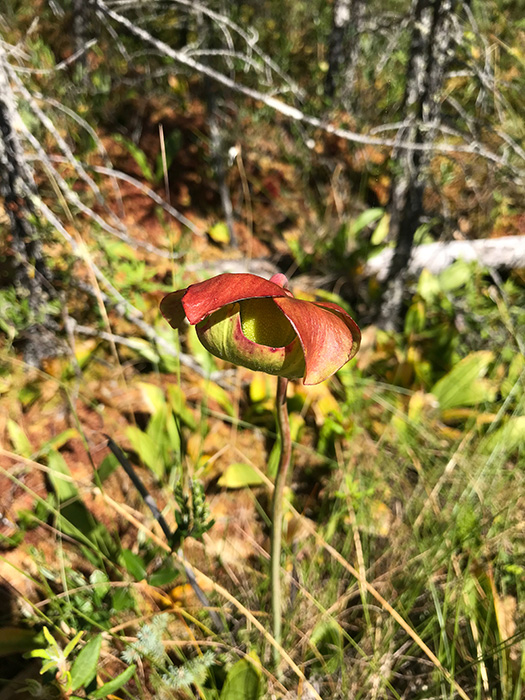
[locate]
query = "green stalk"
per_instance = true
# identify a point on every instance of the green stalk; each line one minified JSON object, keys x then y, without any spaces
{"x":283,"y":430}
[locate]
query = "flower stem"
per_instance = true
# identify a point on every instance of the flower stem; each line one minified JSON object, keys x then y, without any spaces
{"x":283,"y":430}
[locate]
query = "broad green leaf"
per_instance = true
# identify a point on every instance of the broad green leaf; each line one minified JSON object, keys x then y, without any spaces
{"x":114,"y":685}
{"x":381,"y":230}
{"x":243,"y":682}
{"x":509,"y":437}
{"x":147,"y":449}
{"x":133,"y":564}
{"x":365,"y":219}
{"x":219,"y":233}
{"x":19,"y":439}
{"x":60,"y":477}
{"x":108,"y":466}
{"x":463,"y":385}
{"x":101,"y":582}
{"x":84,"y":667}
{"x":428,"y":286}
{"x":163,"y":576}
{"x":514,"y":380}
{"x":59,"y":440}
{"x":222,"y":397}
{"x":153,"y":396}
{"x":177,"y":402}
{"x":260,"y":389}
{"x":455,"y":276}
{"x":239,"y":475}
{"x":328,"y":640}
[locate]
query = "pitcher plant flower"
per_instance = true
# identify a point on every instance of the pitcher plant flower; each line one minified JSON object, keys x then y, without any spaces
{"x":259,"y":324}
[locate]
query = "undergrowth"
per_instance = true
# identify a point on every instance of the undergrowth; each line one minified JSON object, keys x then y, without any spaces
{"x":407,"y":499}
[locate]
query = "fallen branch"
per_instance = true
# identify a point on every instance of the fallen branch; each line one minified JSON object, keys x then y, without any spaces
{"x":507,"y":252}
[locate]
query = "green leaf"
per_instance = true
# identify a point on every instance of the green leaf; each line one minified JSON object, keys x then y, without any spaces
{"x":146,"y":349}
{"x":59,"y":440}
{"x":84,"y":667}
{"x":243,"y":682}
{"x":455,"y":276}
{"x":64,"y":488}
{"x":108,"y":466}
{"x":463,"y":385}
{"x":153,"y":396}
{"x":114,"y":685}
{"x":163,"y":576}
{"x":204,"y":358}
{"x":509,"y":437}
{"x":428,"y":286}
{"x":239,"y":475}
{"x":137,"y":154}
{"x":327,"y":638}
{"x":19,"y":439}
{"x":217,"y":393}
{"x":381,"y":230}
{"x":72,"y":643}
{"x":177,"y":402}
{"x":147,"y":449}
{"x":133,"y":564}
{"x":365,"y":219}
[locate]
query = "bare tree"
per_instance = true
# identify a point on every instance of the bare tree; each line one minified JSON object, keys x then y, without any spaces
{"x":429,"y":55}
{"x":31,"y":276}
{"x":343,"y":49}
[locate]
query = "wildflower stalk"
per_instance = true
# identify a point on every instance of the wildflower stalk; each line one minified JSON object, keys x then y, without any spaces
{"x":283,"y":430}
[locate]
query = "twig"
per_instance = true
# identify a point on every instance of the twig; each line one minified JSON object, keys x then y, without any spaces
{"x":75,"y":200}
{"x":59,"y":66}
{"x":48,"y":124}
{"x":119,"y":175}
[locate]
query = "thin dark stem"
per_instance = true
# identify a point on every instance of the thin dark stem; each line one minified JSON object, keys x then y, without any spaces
{"x":283,"y":428}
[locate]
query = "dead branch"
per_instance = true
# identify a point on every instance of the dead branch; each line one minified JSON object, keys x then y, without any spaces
{"x":507,"y":252}
{"x":296,"y":114}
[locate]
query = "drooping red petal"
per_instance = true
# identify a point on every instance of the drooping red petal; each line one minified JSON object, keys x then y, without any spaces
{"x":203,"y":298}
{"x":327,"y":339}
{"x":172,"y":310}
{"x":348,"y":320}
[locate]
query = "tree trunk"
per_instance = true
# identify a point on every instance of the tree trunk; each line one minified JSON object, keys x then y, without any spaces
{"x":343,"y":50}
{"x":430,"y":43}
{"x":30,"y":276}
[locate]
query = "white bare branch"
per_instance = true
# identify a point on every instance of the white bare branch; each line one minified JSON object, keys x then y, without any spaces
{"x":505,"y":252}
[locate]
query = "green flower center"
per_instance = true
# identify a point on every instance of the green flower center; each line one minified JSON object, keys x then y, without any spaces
{"x":263,"y":322}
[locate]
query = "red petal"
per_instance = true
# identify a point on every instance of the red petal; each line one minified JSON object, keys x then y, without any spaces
{"x":350,"y":323}
{"x":172,"y":310}
{"x":326,"y":336}
{"x":204,"y":298}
